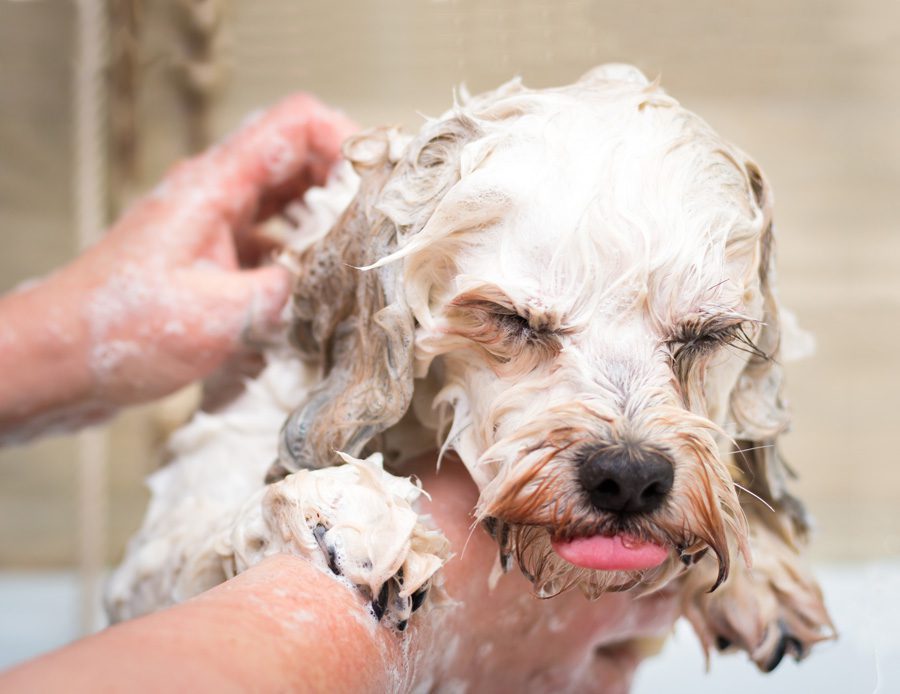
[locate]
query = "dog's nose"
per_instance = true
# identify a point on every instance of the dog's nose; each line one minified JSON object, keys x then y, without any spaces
{"x":623,"y":481}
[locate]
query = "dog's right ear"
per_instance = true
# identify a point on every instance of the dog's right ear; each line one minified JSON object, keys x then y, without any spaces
{"x":353,"y":318}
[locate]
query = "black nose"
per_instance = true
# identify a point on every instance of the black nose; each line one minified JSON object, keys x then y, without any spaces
{"x":622,"y":480}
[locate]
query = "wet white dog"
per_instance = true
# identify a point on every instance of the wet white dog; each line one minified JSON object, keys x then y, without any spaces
{"x":570,"y":288}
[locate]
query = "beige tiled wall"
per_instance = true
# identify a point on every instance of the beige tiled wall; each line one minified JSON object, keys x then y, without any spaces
{"x":810,"y":88}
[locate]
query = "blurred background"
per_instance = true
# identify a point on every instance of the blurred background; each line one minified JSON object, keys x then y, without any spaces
{"x":98,"y":97}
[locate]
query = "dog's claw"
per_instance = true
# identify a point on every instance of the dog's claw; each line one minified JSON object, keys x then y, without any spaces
{"x":394,"y":609}
{"x":388,"y":595}
{"x":418,"y":598}
{"x":377,"y":610}
{"x":379,"y":604}
{"x":788,"y":645}
{"x":777,"y":655}
{"x":794,"y":648}
{"x":319,"y":533}
{"x":402,"y":607}
{"x":388,"y":606}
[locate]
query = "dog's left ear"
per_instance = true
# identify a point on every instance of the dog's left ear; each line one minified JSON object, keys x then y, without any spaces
{"x":349,"y":311}
{"x":758,"y":406}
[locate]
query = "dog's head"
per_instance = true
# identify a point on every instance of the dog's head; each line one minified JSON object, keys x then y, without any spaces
{"x":584,"y":275}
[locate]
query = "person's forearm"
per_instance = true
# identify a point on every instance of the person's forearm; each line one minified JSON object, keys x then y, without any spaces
{"x":45,"y":378}
{"x":281,"y":626}
{"x":174,"y":288}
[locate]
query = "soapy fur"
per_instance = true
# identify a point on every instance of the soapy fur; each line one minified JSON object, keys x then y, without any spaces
{"x":535,"y":272}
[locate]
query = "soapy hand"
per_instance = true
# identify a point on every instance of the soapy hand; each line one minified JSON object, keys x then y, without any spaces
{"x":167,"y":301}
{"x":174,"y":288}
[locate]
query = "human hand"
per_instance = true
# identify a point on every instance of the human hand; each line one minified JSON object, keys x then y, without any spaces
{"x":162,"y":300}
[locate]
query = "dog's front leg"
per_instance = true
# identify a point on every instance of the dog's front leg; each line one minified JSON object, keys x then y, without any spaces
{"x":771,"y":609}
{"x":357,"y":521}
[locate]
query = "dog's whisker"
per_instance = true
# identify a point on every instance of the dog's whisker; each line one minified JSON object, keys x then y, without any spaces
{"x":755,"y":496}
{"x":718,"y":284}
{"x":754,"y":448}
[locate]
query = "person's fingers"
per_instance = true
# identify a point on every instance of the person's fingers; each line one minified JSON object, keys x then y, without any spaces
{"x":276,"y":198}
{"x":273,"y":159}
{"x":255,"y":247}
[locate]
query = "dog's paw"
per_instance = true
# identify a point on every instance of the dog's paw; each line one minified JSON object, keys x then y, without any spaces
{"x":355,"y":520}
{"x":772,"y":610}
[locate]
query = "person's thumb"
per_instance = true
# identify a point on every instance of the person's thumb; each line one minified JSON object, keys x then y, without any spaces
{"x":268,"y":289}
{"x":249,"y":303}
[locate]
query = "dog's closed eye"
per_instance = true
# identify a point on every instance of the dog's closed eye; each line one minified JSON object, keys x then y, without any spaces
{"x":505,"y":333}
{"x":694,"y":338}
{"x":693,"y":341}
{"x":513,"y":324}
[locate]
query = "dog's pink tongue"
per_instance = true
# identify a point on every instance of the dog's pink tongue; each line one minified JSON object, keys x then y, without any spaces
{"x":616,"y":553}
